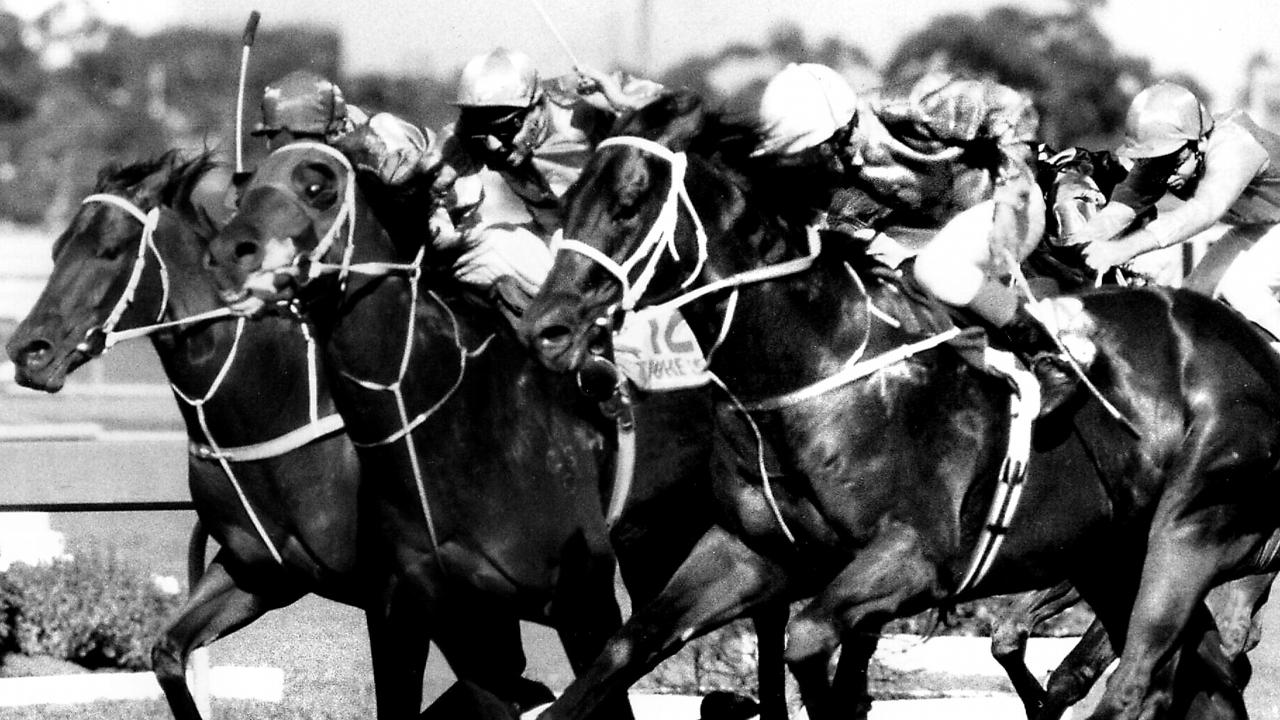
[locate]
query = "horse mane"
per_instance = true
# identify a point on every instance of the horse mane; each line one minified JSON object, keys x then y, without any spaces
{"x":116,"y":177}
{"x":177,"y":177}
{"x":183,"y":176}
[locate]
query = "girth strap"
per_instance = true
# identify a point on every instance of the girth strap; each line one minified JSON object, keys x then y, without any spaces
{"x":290,"y":441}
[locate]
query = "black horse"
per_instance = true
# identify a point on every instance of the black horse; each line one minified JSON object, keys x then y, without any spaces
{"x":273,"y":476}
{"x":859,"y":454}
{"x":495,"y":471}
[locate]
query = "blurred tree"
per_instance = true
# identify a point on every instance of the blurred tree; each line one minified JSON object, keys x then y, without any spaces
{"x":1080,"y":83}
{"x":21,"y":77}
{"x":103,"y":94}
{"x":424,"y":101}
{"x":735,"y":76}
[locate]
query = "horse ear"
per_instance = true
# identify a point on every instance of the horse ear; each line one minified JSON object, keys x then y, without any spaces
{"x":687,"y":113}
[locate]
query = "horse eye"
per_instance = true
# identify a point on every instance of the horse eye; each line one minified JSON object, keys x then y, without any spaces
{"x":314,"y":189}
{"x":107,"y":252}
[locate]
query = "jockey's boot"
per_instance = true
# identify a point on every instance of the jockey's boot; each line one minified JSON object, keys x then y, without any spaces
{"x":1031,"y":339}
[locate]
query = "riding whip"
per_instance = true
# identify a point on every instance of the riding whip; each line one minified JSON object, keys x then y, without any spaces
{"x":537,"y":5}
{"x":250,"y":29}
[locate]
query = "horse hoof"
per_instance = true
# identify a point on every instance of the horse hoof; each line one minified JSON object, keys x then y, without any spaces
{"x":725,"y":705}
{"x":529,"y":694}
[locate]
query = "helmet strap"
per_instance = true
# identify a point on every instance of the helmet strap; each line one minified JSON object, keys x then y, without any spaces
{"x":532,"y":133}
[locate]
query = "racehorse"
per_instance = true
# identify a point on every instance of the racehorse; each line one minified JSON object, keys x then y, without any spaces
{"x":493,"y":468}
{"x":1076,"y":183}
{"x":273,"y":476}
{"x":859,"y":453}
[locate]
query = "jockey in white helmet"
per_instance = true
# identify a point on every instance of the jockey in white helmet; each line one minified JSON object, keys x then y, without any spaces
{"x":941,"y":169}
{"x":1227,"y":169}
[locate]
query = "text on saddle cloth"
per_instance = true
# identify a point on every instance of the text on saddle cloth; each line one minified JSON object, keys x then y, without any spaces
{"x":657,"y":351}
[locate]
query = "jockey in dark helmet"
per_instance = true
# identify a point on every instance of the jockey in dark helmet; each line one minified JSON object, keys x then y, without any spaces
{"x":305,"y":106}
{"x":1227,"y":169}
{"x":941,"y":169}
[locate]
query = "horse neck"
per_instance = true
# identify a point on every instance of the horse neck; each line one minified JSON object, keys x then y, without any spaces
{"x":793,"y":330}
{"x":376,"y":319}
{"x":253,"y":379}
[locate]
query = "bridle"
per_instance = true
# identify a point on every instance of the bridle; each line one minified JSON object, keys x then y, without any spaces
{"x":317,"y":427}
{"x":146,"y":242}
{"x":661,"y":240}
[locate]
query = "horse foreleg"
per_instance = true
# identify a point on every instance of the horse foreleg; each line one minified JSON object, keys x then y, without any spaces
{"x":585,"y":614}
{"x":215,"y":608}
{"x":1075,"y":676}
{"x":1235,"y":606}
{"x":483,"y":645}
{"x":771,"y":627}
{"x":851,"y":687}
{"x":399,"y":633}
{"x":1176,"y":575}
{"x":721,"y":580}
{"x":1010,"y":632}
{"x":889,"y":573}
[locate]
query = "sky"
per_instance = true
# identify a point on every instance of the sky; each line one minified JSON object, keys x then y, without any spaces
{"x":1210,"y":40}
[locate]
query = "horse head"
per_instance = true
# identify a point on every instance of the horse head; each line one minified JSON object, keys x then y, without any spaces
{"x":291,"y":213}
{"x":620,"y":221}
{"x":672,"y":210}
{"x":109,"y":271}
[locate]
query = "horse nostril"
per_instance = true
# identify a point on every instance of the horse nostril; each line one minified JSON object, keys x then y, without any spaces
{"x":35,"y":354}
{"x":554,"y":337}
{"x":245,"y":249}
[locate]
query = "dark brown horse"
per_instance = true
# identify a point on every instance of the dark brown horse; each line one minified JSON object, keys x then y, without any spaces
{"x":859,"y":454}
{"x":1076,"y":183}
{"x":273,"y":476}
{"x":494,"y":471}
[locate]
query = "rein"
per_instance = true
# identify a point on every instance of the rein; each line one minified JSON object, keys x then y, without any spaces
{"x":316,"y":427}
{"x":413,"y":272}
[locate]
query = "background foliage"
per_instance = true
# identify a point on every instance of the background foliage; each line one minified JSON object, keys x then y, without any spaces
{"x":91,"y":610}
{"x":76,"y":91}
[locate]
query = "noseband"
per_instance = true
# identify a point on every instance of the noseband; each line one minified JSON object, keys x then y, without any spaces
{"x":346,"y":217}
{"x":149,"y":220}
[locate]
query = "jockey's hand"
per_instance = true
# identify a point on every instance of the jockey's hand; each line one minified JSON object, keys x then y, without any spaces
{"x":591,"y":80}
{"x":1106,"y":254}
{"x":501,"y":249}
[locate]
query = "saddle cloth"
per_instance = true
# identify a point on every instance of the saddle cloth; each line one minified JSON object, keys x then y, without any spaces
{"x":657,"y":351}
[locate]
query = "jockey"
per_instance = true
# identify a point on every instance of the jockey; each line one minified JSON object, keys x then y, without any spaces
{"x":1227,"y":169}
{"x":533,"y":136}
{"x":943,"y":169}
{"x":305,"y":106}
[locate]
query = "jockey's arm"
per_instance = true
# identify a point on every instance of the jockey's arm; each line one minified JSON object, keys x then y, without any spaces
{"x":393,"y":149}
{"x":615,"y":92}
{"x":1233,"y":159}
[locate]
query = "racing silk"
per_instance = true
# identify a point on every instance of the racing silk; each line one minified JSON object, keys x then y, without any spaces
{"x":1259,"y":203}
{"x":1239,"y":185}
{"x":926,"y":154}
{"x":394,"y":149}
